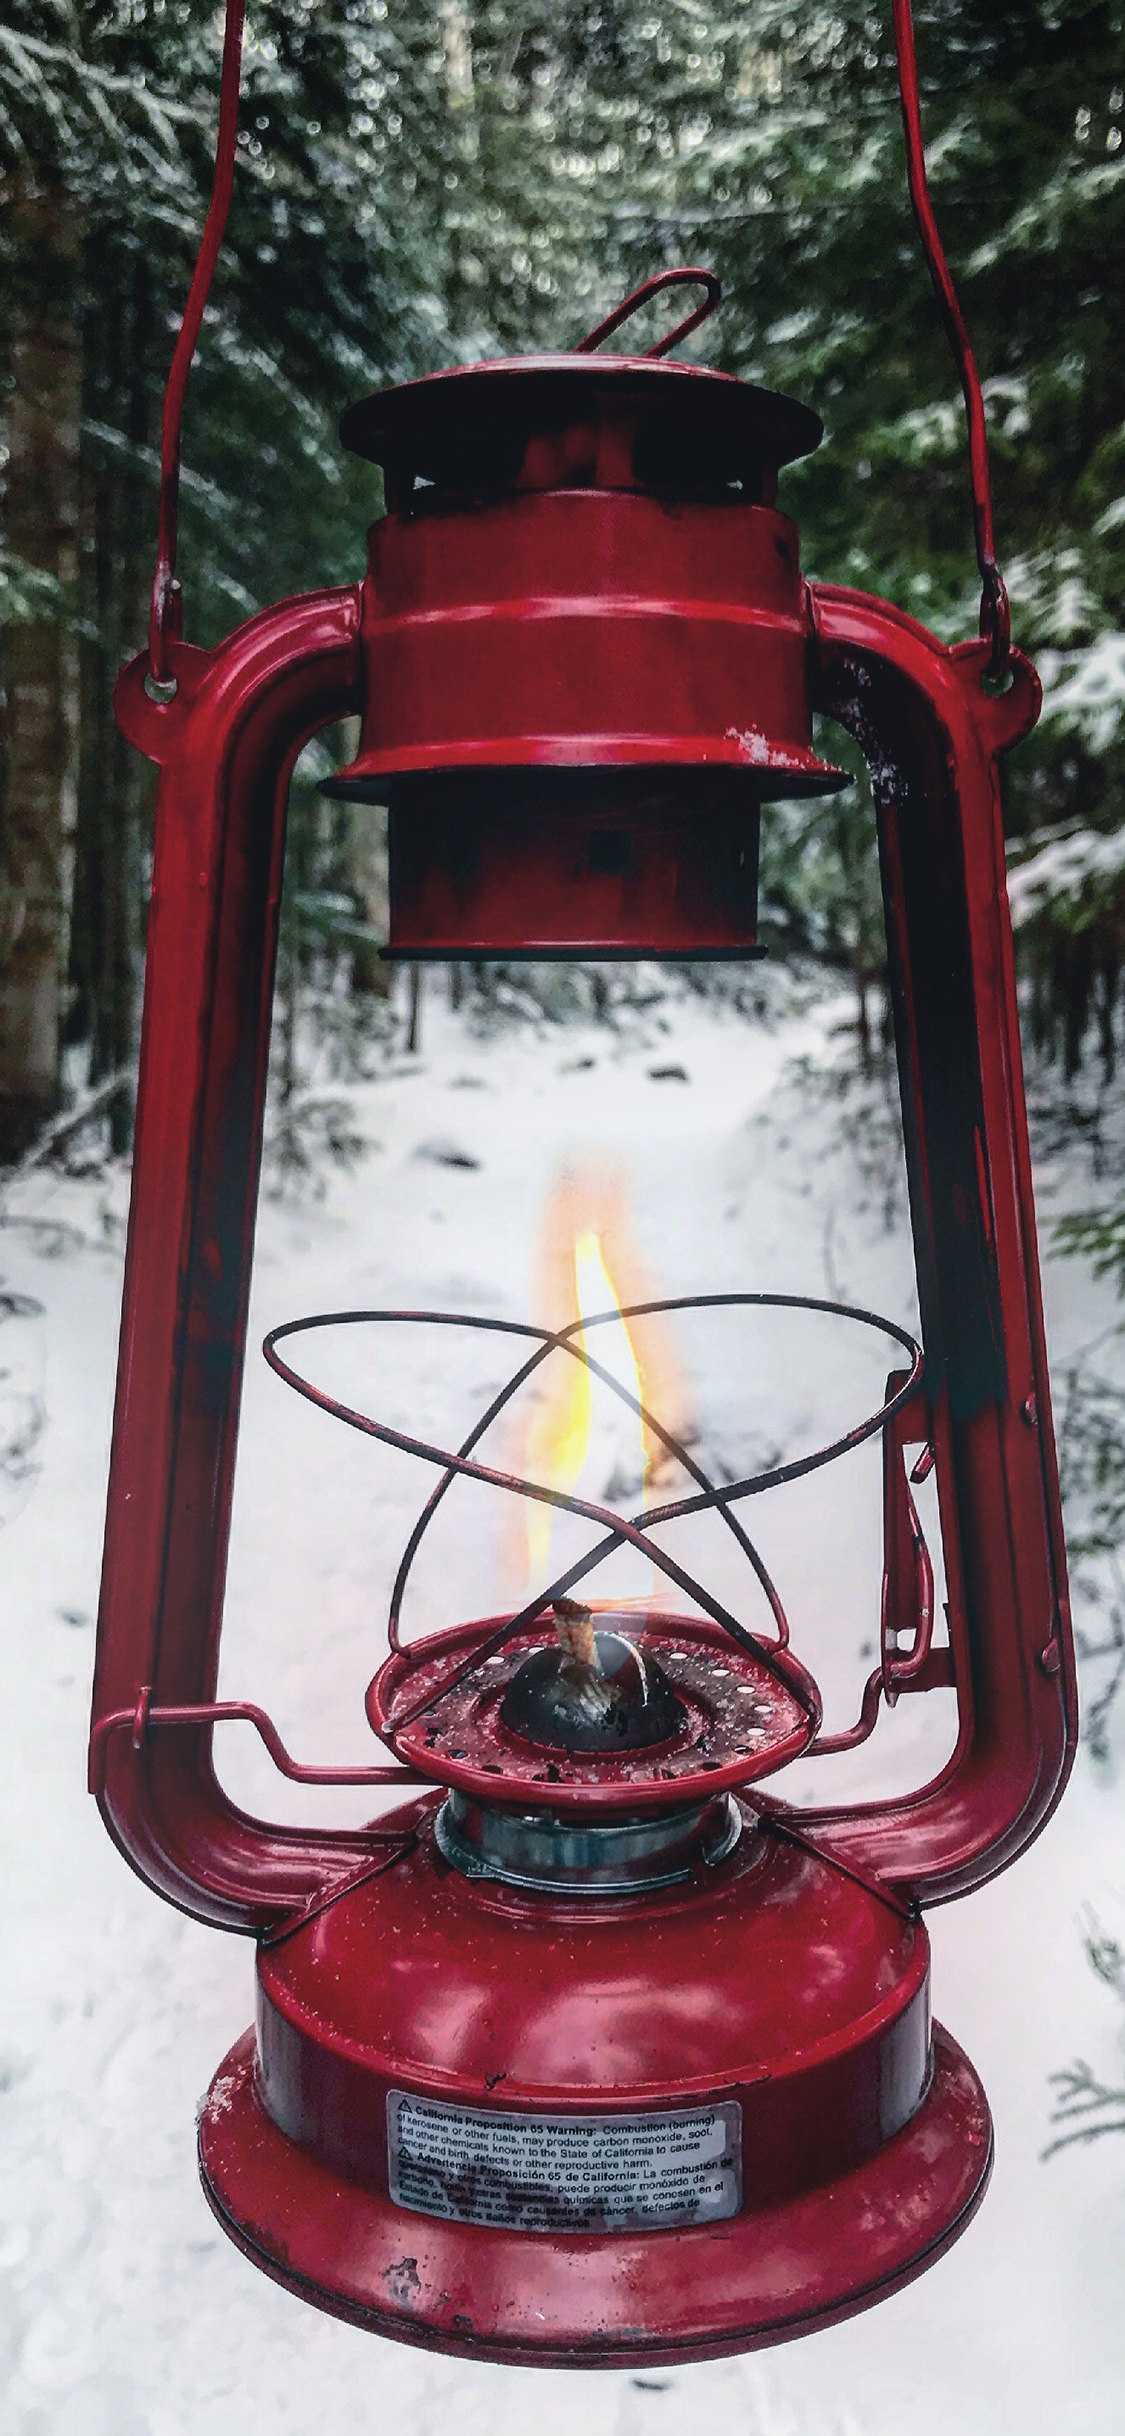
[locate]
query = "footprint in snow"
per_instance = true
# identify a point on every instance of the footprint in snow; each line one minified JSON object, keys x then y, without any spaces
{"x":444,"y":1153}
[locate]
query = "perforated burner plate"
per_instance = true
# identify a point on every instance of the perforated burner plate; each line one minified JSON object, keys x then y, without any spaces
{"x":746,"y":1716}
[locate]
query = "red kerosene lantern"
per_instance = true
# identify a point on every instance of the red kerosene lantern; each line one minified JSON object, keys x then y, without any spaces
{"x":590,"y":2051}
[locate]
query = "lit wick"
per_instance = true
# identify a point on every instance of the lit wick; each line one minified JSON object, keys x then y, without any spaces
{"x":581,"y":1661}
{"x":574,"y":1625}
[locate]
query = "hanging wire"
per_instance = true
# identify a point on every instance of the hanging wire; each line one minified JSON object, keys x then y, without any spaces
{"x":166,"y":616}
{"x":995,"y":613}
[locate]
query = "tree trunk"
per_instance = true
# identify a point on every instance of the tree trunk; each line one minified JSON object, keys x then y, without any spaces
{"x":114,"y":784}
{"x":414,"y":1011}
{"x":40,"y":718}
{"x":862,"y":1010}
{"x":366,"y":856}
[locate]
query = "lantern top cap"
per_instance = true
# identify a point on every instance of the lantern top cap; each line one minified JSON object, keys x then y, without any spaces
{"x":419,"y":422}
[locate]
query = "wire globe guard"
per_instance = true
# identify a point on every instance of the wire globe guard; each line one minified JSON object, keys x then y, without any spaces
{"x":750,"y":1705}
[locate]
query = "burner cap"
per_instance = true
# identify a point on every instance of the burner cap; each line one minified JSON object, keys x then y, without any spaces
{"x":617,"y":1699}
{"x":712,"y":1714}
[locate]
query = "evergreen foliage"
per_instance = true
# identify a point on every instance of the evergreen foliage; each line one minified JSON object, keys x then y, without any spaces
{"x":427,"y":180}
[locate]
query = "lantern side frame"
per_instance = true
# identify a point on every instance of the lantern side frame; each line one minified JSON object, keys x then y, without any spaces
{"x":226,"y":746}
{"x":932,"y":737}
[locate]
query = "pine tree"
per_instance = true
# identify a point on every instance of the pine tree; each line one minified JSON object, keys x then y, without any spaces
{"x":39,"y":725}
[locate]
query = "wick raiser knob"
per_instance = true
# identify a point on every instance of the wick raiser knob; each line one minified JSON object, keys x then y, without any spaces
{"x":594,"y":1691}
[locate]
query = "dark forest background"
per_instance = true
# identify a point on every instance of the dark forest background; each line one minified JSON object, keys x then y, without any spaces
{"x":422,"y":181}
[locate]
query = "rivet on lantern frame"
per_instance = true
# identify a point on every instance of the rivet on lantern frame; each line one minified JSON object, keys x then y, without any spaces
{"x":629,"y":1956}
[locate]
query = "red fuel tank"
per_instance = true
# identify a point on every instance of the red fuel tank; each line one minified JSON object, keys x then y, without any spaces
{"x":535,"y":2127}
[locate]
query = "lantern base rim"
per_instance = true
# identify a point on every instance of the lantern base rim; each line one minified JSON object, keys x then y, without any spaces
{"x":760,"y":2278}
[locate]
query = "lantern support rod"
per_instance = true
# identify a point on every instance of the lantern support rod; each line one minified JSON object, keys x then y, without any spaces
{"x":140,"y":1719}
{"x":995,"y":614}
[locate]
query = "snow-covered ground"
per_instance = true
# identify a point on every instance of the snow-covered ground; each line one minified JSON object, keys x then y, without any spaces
{"x":125,"y":2312}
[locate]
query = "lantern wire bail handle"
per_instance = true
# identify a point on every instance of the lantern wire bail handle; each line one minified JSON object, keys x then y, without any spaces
{"x":166,"y":616}
{"x":166,"y":613}
{"x":651,"y":287}
{"x":995,"y":613}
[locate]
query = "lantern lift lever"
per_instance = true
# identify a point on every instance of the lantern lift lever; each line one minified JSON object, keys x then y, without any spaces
{"x":908,"y":1575}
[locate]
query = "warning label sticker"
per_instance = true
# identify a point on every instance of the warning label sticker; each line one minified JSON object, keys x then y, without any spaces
{"x":565,"y":2173}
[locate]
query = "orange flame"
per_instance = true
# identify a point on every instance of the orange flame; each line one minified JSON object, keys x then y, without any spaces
{"x":579,"y":1437}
